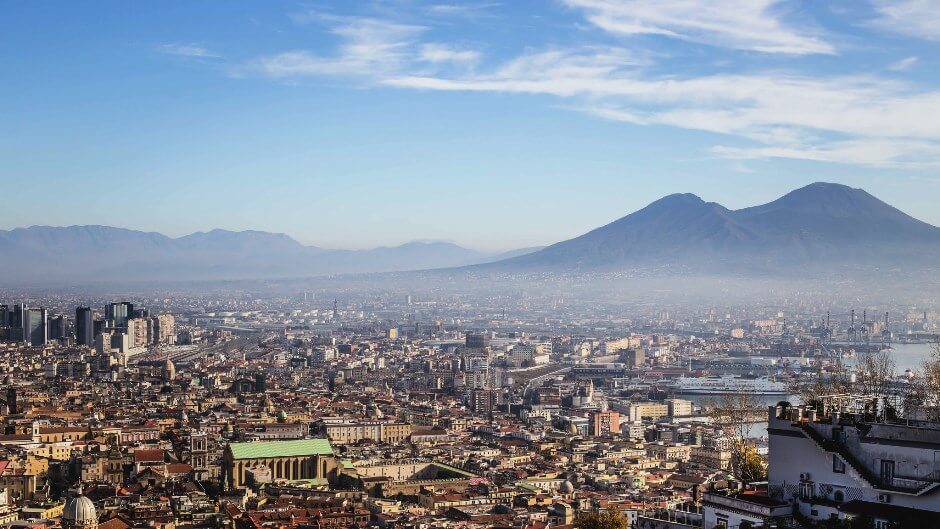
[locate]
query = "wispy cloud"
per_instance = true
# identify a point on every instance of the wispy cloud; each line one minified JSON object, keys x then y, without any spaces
{"x":368,"y":47}
{"x":904,"y":64}
{"x":188,"y":50}
{"x":854,"y":119}
{"x":438,"y":53}
{"x":755,"y":25}
{"x":916,"y":18}
{"x":861,"y":120}
{"x":466,"y":9}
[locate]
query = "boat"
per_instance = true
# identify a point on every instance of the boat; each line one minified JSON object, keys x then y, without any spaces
{"x":728,"y":384}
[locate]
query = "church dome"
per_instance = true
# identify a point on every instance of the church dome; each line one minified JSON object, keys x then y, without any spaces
{"x":566,"y":488}
{"x":79,"y":512}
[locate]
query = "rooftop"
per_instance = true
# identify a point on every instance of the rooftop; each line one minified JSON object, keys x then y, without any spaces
{"x":268,"y":449}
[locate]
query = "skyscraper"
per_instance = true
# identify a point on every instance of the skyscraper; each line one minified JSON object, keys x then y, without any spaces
{"x":18,"y":324}
{"x":35,"y":327}
{"x":84,"y":327}
{"x":57,"y":327}
{"x":118,"y":313}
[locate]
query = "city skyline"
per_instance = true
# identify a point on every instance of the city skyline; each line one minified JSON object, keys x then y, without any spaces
{"x":335,"y":123}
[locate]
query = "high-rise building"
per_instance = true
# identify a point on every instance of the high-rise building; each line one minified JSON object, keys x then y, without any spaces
{"x":35,"y":327}
{"x":57,"y":327}
{"x":139,"y":331}
{"x":17,"y":317}
{"x":604,"y":423}
{"x":118,"y":313}
{"x":84,"y":327}
{"x":164,"y":330}
{"x":4,"y":315}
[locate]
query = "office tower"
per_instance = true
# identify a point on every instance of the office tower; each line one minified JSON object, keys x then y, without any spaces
{"x":4,"y":315}
{"x":57,"y":327}
{"x":141,"y":313}
{"x":35,"y":327}
{"x":119,"y":313}
{"x":16,"y":318}
{"x":84,"y":327}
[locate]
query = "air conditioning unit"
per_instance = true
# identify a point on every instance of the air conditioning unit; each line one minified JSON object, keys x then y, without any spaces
{"x":884,"y":498}
{"x":804,"y":476}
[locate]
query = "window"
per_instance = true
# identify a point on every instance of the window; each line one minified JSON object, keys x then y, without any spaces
{"x":838,"y":465}
{"x":838,"y":496}
{"x":887,"y":472}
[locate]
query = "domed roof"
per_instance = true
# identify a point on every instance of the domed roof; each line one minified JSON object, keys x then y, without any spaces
{"x":566,"y":487}
{"x":80,"y":510}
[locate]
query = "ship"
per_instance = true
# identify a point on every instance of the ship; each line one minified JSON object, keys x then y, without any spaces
{"x":728,"y":384}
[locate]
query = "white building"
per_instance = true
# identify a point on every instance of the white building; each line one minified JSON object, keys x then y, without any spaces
{"x":845,"y":464}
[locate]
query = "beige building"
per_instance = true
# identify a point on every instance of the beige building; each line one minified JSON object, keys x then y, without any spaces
{"x":348,"y":433}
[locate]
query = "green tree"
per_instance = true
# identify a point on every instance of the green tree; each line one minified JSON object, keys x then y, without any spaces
{"x":609,"y":519}
{"x":734,"y":415}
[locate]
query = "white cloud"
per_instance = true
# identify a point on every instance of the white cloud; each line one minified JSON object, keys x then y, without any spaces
{"x":369,"y":47}
{"x":904,"y":64}
{"x":187,"y":50}
{"x":865,"y":120}
{"x":862,"y":120}
{"x":467,"y":10}
{"x":438,"y":53}
{"x":872,"y":152}
{"x":755,"y":25}
{"x":916,"y":18}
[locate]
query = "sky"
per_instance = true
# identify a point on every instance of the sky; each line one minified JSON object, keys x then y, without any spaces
{"x":492,"y":124}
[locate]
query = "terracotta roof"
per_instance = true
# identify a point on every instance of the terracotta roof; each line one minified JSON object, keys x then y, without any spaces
{"x":148,"y":456}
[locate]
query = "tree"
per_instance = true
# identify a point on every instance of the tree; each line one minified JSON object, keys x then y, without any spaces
{"x":609,"y":519}
{"x":835,"y":381}
{"x":875,"y":374}
{"x":923,"y":390}
{"x":734,"y":415}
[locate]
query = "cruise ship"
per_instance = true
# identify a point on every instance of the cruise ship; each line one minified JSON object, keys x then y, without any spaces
{"x":729,"y":384}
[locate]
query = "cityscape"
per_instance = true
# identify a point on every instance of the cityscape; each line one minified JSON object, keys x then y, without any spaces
{"x":407,"y":264}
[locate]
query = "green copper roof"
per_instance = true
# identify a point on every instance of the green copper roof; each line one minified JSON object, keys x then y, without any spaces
{"x":269,"y":449}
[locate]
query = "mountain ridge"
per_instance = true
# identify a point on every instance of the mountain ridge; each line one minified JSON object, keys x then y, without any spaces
{"x":818,"y":224}
{"x":80,"y":253}
{"x":812,"y":227}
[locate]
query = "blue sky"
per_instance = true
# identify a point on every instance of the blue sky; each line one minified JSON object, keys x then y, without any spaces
{"x":492,"y":124}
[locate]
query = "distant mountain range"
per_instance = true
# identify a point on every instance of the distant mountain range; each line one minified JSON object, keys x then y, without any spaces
{"x":814,"y":227}
{"x":818,"y":226}
{"x":101,"y":254}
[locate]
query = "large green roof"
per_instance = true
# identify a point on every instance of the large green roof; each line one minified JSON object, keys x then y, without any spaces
{"x":270,"y":449}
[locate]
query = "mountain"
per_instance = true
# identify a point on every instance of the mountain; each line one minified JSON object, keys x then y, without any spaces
{"x":55,"y":255}
{"x":820,"y":225}
{"x":817,"y":227}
